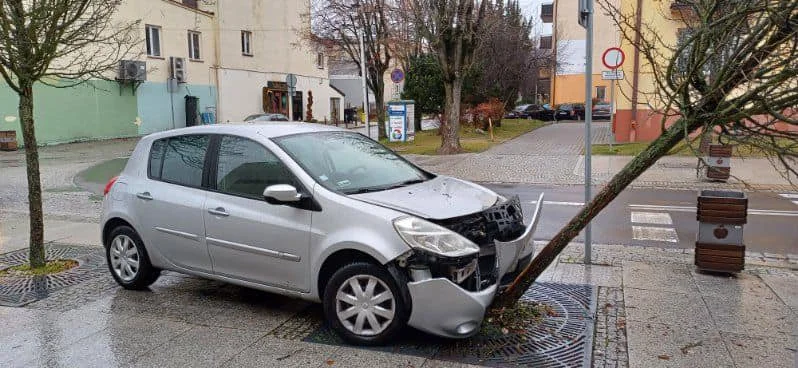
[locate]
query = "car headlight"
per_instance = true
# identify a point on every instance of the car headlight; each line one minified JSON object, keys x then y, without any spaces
{"x":424,"y":235}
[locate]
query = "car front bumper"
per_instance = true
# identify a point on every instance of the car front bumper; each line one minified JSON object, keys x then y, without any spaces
{"x":443,"y":308}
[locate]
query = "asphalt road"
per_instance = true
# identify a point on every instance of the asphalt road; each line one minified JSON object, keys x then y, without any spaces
{"x":660,"y":218}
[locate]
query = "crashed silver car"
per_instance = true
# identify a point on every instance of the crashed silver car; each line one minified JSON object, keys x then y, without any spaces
{"x":317,"y":213}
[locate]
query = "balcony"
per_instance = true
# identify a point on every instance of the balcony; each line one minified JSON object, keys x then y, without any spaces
{"x":547,"y":13}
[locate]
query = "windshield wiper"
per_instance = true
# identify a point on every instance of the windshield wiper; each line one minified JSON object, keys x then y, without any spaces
{"x":385,"y":187}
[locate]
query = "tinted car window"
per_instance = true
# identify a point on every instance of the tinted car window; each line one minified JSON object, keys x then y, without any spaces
{"x":156,"y":158}
{"x":246,"y":168}
{"x":184,"y":159}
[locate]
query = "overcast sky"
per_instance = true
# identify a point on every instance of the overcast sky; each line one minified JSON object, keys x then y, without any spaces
{"x":532,"y":9}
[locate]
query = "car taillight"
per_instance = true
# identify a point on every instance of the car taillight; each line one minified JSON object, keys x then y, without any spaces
{"x":109,"y":185}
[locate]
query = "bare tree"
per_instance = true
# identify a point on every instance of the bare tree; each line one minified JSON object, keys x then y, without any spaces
{"x":451,"y":28}
{"x":337,"y":24}
{"x":59,"y":43}
{"x":735,"y":69}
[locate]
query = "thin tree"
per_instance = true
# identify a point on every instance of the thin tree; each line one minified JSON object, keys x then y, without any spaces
{"x":735,"y":70}
{"x":451,"y":29}
{"x":58,"y":43}
{"x":338,"y":24}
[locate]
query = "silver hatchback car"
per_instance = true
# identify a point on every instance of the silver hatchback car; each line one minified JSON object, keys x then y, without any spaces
{"x":317,"y":213}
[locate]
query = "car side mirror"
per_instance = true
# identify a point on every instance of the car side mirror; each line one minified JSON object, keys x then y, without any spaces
{"x":282,"y":193}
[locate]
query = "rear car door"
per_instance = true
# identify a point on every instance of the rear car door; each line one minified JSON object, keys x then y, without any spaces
{"x":169,"y":203}
{"x":248,"y":238}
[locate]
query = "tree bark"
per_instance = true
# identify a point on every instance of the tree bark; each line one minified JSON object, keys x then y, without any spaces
{"x":36,"y":250}
{"x":379,"y":99}
{"x":619,"y":182}
{"x":450,"y":126}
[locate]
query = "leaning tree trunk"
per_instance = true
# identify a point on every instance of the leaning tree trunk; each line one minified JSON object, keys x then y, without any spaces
{"x":36,"y":250}
{"x":450,"y":126}
{"x":629,"y":173}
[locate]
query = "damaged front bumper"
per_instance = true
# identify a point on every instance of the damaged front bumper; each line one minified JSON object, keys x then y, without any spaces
{"x":445,"y":308}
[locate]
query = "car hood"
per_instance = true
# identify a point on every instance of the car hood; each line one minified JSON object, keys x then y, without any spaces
{"x":437,"y":199}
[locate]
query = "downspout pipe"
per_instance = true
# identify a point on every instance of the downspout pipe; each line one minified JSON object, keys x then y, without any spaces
{"x":636,"y":71}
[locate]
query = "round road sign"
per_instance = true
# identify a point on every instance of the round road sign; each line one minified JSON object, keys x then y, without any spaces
{"x":290,"y":80}
{"x":397,"y":75}
{"x":613,"y":58}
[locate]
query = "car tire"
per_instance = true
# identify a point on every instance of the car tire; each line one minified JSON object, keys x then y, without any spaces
{"x":349,"y":311}
{"x":128,"y":260}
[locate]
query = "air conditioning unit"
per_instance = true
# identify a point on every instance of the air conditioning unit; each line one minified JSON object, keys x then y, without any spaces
{"x":132,"y":70}
{"x":177,"y":69}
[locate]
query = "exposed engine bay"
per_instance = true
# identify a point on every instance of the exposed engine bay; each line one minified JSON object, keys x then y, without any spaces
{"x":503,"y":221}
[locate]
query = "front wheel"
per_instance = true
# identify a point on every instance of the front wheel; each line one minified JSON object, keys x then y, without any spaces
{"x":364,"y":305}
{"x":128,"y":261}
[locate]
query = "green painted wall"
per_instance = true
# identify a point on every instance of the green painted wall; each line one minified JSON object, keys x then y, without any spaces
{"x":86,"y":112}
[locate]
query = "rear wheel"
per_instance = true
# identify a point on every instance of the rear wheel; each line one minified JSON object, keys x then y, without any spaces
{"x":364,"y":305}
{"x":128,"y":260}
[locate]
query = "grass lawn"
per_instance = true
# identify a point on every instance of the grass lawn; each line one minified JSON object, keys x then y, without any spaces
{"x":681,"y":149}
{"x":427,"y":142}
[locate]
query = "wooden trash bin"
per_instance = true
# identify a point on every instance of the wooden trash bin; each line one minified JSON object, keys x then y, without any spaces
{"x":8,"y":140}
{"x":718,"y":159}
{"x":719,"y":245}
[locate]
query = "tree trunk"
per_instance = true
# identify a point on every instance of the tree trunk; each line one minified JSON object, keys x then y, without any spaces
{"x":36,"y":250}
{"x":450,"y":124}
{"x":629,"y":173}
{"x":379,"y":102}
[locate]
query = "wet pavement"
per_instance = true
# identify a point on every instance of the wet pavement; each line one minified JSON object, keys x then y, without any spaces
{"x":654,"y":310}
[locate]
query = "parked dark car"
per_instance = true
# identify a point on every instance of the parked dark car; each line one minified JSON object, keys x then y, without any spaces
{"x":565,"y":112}
{"x":602,"y":110}
{"x":534,"y":111}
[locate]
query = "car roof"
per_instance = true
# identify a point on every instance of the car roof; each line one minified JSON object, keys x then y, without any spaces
{"x":268,"y":130}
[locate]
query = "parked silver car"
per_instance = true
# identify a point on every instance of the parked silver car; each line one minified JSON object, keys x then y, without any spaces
{"x":317,"y":213}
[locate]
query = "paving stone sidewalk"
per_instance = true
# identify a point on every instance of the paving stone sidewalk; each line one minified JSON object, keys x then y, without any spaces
{"x":654,"y":310}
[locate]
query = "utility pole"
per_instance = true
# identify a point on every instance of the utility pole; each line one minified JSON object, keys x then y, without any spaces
{"x":586,"y":20}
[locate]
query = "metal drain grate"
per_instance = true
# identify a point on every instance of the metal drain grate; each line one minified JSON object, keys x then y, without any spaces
{"x":16,"y":291}
{"x":562,"y":340}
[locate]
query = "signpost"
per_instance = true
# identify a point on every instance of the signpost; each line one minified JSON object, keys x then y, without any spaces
{"x":397,"y":76}
{"x":613,"y":58}
{"x":290,"y":81}
{"x":586,"y":20}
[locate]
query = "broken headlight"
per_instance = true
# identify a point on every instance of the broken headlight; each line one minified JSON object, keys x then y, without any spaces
{"x":424,"y":235}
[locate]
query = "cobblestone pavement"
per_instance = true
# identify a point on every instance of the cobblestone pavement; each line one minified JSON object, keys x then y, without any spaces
{"x":609,"y":344}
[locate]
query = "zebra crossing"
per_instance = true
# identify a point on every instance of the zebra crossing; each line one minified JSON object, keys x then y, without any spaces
{"x":793,"y":197}
{"x":661,"y":231}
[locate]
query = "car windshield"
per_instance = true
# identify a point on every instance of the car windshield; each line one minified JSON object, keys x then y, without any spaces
{"x":350,"y":163}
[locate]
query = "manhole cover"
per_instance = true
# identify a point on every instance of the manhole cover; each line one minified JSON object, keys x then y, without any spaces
{"x":562,"y":340}
{"x":16,"y":291}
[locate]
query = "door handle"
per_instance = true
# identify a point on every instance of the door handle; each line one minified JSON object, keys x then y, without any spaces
{"x":218,"y":211}
{"x":145,"y":196}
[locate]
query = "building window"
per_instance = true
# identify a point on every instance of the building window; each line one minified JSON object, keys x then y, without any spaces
{"x":547,"y":13}
{"x":194,"y":45}
{"x":153,"y":35}
{"x":545,"y":43}
{"x":246,"y":43}
{"x":601,"y":93}
{"x":320,"y":60}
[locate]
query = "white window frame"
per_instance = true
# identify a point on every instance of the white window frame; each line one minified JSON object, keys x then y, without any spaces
{"x":246,"y":43}
{"x":194,"y":49}
{"x":149,"y":29}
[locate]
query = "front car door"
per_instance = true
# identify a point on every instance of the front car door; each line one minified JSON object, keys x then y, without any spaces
{"x":169,"y":203}
{"x":248,"y":238}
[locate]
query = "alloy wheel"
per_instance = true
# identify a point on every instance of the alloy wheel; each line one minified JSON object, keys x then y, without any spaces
{"x":365,"y":305}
